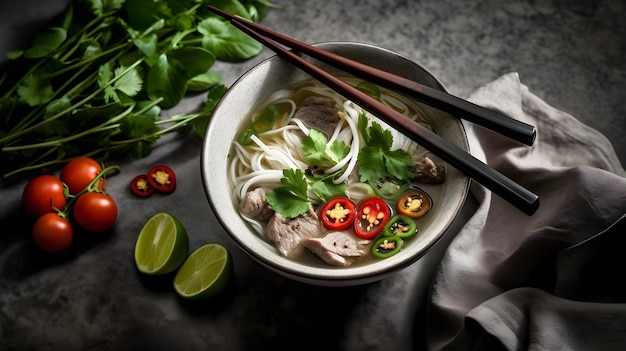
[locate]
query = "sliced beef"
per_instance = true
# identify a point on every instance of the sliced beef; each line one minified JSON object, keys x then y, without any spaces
{"x":255,"y":205}
{"x":428,"y":172}
{"x":318,"y":113}
{"x":288,"y":233}
{"x":337,"y":248}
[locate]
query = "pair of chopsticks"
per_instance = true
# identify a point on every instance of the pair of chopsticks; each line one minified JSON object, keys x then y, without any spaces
{"x":501,"y":185}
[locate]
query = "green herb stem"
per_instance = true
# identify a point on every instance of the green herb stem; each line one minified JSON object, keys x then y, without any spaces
{"x":181,"y":121}
{"x":193,"y":41}
{"x":22,"y":132}
{"x":41,"y":61}
{"x":19,"y":82}
{"x":70,"y":93}
{"x":120,"y":47}
{"x":39,"y":165}
{"x":58,"y":142}
{"x":34,"y":114}
{"x":149,"y":106}
{"x":91,"y":187}
{"x":80,"y":34}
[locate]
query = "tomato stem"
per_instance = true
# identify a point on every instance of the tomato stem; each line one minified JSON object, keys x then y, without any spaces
{"x":91,"y":187}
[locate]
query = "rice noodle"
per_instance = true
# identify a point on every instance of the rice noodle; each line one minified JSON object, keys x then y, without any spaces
{"x":262,"y":163}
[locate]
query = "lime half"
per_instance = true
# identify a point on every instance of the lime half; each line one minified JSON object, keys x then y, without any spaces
{"x":205,"y":273}
{"x":162,"y":245}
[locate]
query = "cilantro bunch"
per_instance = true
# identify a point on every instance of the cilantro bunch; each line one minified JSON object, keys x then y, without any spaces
{"x":95,"y":81}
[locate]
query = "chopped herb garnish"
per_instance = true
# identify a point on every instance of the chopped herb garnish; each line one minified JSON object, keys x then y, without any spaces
{"x":376,"y":160}
{"x":290,"y":199}
{"x":325,"y":189}
{"x":318,"y":152}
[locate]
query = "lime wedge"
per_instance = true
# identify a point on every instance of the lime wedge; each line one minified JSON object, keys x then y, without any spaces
{"x":162,"y":245}
{"x":205,"y":273}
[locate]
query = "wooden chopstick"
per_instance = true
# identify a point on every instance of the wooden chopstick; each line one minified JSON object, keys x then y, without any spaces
{"x":441,"y":100}
{"x":501,"y":185}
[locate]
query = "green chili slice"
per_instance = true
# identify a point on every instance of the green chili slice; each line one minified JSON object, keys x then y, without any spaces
{"x":387,"y":246}
{"x":401,"y":226}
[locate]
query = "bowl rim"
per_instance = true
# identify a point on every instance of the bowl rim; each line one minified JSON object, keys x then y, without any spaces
{"x":287,"y":267}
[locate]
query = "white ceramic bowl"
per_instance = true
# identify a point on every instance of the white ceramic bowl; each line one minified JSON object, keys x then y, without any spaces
{"x":275,"y":73}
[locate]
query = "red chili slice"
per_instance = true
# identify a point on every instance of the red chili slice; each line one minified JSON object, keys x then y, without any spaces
{"x":372,"y":215}
{"x":162,"y":178}
{"x":140,"y":186}
{"x":338,"y":213}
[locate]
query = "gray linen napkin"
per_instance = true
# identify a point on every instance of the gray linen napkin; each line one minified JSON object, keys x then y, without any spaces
{"x":551,"y":281}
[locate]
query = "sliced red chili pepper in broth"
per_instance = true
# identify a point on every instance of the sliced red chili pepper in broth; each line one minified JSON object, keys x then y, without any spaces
{"x":338,"y":213}
{"x":372,"y":215}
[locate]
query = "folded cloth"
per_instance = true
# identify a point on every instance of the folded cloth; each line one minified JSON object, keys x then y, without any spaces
{"x":550,"y":281}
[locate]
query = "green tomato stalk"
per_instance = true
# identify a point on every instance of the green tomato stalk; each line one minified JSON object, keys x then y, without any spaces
{"x":91,"y":187}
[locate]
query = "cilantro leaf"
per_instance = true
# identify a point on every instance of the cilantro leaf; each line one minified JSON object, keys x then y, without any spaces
{"x":226,"y":41}
{"x":377,"y":160}
{"x":371,"y":164}
{"x":140,"y":127}
{"x":204,"y":81}
{"x":293,"y":179}
{"x":380,"y":137}
{"x":337,"y":151}
{"x":35,"y":90}
{"x":234,"y":7}
{"x":129,"y":83}
{"x":45,"y":42}
{"x":291,"y":199}
{"x":99,"y":7}
{"x":283,"y":202}
{"x":398,"y":163}
{"x":325,"y":189}
{"x":316,"y":149}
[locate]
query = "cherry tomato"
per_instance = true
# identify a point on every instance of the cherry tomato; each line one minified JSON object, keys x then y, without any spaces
{"x":338,"y":213}
{"x":162,"y":178}
{"x":414,"y":203}
{"x":53,"y":233}
{"x":140,"y":186}
{"x":79,"y":172}
{"x":43,"y":194}
{"x":95,"y":212}
{"x":372,"y":215}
